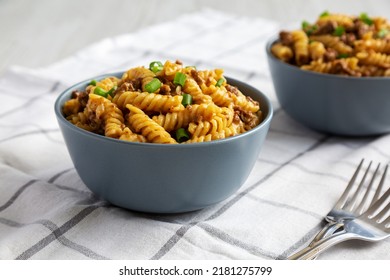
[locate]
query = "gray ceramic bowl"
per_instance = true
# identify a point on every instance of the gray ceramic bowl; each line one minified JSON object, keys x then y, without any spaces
{"x":349,"y":106}
{"x":163,"y":178}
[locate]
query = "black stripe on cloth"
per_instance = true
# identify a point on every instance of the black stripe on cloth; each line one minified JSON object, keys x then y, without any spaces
{"x":17,"y":194}
{"x":254,"y":250}
{"x":295,"y":134}
{"x":272,"y":162}
{"x":59,"y":174}
{"x":56,"y":234}
{"x":61,"y":187}
{"x":22,"y":106}
{"x":66,"y":188}
{"x":182,"y":230}
{"x":284,"y":206}
{"x":33,"y":99}
{"x":172,"y":241}
{"x":301,"y":132}
{"x":250,"y":75}
{"x":28,"y":133}
{"x":71,"y":189}
{"x":55,"y":87}
{"x":306,"y":170}
{"x":379,"y":151}
{"x":62,"y":239}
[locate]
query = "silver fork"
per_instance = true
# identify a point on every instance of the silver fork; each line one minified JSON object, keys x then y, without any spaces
{"x":347,"y":206}
{"x":372,"y":225}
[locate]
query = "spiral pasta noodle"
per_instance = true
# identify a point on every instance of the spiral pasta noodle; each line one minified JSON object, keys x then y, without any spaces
{"x":106,"y":84}
{"x":103,"y":109}
{"x":373,"y":58}
{"x":192,"y":87}
{"x":317,"y":50}
{"x":338,"y":44}
{"x":142,"y":123}
{"x":333,"y":42}
{"x":128,"y":135}
{"x":340,"y":19}
{"x":175,"y":120}
{"x":282,"y":52}
{"x":165,"y":103}
{"x":149,"y":101}
{"x":136,"y":74}
{"x":301,"y":46}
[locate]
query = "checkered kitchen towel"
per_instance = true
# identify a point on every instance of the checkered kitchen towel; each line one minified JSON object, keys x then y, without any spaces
{"x":46,"y":212}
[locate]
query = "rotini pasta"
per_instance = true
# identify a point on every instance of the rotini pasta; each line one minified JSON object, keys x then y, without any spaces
{"x":332,"y":42}
{"x":106,"y":84}
{"x":165,"y":104}
{"x":282,"y":52}
{"x":339,"y":19}
{"x":196,"y":112}
{"x":100,"y":108}
{"x":136,"y":75}
{"x":338,"y":44}
{"x":301,"y":46}
{"x":143,"y":124}
{"x":317,"y":50}
{"x":149,"y":101}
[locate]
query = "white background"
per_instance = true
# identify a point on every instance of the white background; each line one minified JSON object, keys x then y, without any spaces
{"x":38,"y":33}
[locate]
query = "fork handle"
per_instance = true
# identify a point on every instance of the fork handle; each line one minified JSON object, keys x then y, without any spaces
{"x":326,"y":231}
{"x":321,"y":245}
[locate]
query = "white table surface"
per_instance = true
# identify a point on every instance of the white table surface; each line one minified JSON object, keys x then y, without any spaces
{"x":38,"y":33}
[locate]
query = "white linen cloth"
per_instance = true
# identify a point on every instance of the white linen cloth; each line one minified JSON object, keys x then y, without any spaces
{"x":46,"y":212}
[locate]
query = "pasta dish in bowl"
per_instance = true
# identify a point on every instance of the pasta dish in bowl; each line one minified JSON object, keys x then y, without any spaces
{"x":338,"y":44}
{"x":333,"y":75}
{"x":152,"y":140}
{"x":164,"y":104}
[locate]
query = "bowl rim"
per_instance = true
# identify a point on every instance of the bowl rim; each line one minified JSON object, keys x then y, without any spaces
{"x":272,"y":40}
{"x":60,"y":118}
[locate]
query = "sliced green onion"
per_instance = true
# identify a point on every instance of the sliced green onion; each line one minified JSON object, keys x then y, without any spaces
{"x":153,"y":85}
{"x":308,"y":28}
{"x":366,"y":19}
{"x":180,"y":79}
{"x":182,"y":135}
{"x":343,"y":55}
{"x":100,"y":91}
{"x":93,"y":83}
{"x":156,"y":66}
{"x":187,"y":99}
{"x":220,"y":82}
{"x":382,"y":33}
{"x":305,"y":25}
{"x":324,"y":14}
{"x":339,"y":31}
{"x":111,"y":91}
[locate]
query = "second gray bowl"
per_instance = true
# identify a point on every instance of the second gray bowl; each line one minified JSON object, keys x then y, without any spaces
{"x":351,"y":106}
